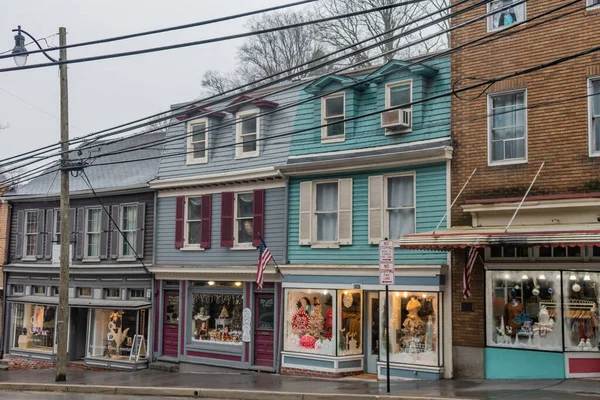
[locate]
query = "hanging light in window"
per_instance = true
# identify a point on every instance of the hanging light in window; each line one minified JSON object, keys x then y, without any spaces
{"x":557,"y":276}
{"x":506,"y":276}
{"x":524,"y":277}
{"x":587,"y":278}
{"x":325,"y":292}
{"x":542,"y":277}
{"x":573,"y":277}
{"x":238,"y":284}
{"x":210,"y":283}
{"x":397,"y":294}
{"x":405,"y":295}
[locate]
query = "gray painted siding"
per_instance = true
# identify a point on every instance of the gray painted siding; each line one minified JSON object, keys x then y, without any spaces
{"x":167,"y":254}
{"x":222,"y":159}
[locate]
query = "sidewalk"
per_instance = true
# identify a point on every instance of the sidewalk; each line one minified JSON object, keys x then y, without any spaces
{"x":233,"y":384}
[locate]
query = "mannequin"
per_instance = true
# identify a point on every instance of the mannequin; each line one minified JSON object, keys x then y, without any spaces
{"x":511,"y":309}
{"x":413,"y":326}
{"x":508,"y":16}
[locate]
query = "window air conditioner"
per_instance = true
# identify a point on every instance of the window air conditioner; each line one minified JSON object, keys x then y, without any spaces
{"x":396,"y":119}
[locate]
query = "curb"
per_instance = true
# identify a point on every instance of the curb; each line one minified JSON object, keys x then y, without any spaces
{"x":200,"y":393}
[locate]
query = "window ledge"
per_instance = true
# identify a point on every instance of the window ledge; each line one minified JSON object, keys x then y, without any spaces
{"x":29,"y":258}
{"x":249,"y":155}
{"x":507,"y":162}
{"x":126,"y":259}
{"x":91,"y":260}
{"x":325,"y":246}
{"x":191,"y":248}
{"x":334,"y":139}
{"x":237,"y":248}
{"x":501,"y":28}
{"x":397,"y":131}
{"x":595,"y":153}
{"x":200,"y":161}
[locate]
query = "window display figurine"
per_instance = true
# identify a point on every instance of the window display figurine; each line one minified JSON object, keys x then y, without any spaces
{"x":508,"y":16}
{"x":413,"y":325}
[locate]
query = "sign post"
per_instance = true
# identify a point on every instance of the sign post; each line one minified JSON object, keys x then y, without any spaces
{"x":387,"y":277}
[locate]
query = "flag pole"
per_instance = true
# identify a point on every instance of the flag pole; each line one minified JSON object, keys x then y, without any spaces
{"x":524,"y":197}
{"x":456,"y":198}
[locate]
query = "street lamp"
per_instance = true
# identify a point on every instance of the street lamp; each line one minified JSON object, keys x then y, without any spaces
{"x":20,"y":56}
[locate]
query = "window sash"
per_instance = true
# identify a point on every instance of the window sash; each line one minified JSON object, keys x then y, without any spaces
{"x":327,"y":215}
{"x":508,"y":16}
{"x":595,"y":112}
{"x":244,"y":218}
{"x":333,"y":98}
{"x":507,"y":127}
{"x":246,"y":139}
{"x":56,"y":227}
{"x":401,"y":218}
{"x":193,"y":222}
{"x":407,"y":87}
{"x":30,"y":234}
{"x":93,"y":230}
{"x":336,"y":129}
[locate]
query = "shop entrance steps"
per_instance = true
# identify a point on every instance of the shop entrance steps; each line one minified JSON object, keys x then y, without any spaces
{"x":164,"y":365}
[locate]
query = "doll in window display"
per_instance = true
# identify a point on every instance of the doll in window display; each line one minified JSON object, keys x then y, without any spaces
{"x":511,"y":310}
{"x":413,"y":328}
{"x":508,"y":16}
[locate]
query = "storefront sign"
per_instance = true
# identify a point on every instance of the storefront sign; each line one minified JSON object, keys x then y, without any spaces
{"x":386,"y":251}
{"x":56,"y":255}
{"x":138,"y":348}
{"x":246,"y":324}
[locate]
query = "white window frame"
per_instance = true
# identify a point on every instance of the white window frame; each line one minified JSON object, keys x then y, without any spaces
{"x":490,"y":118}
{"x":324,"y":137}
{"x":56,"y":227}
{"x":237,"y":244}
{"x":190,"y":141}
{"x":86,"y":234}
{"x":490,"y":18}
{"x":186,"y":244}
{"x":386,"y":215}
{"x":390,"y":85}
{"x":315,"y":225}
{"x":14,"y":286}
{"x":591,"y":6}
{"x":239,"y":148}
{"x":34,"y":234}
{"x":121,"y":238}
{"x":591,"y":99}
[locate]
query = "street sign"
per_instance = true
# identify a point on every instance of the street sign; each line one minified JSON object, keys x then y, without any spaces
{"x":386,"y":251}
{"x":386,"y":277}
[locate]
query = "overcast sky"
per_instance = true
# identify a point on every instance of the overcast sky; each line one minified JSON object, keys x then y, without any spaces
{"x":109,"y":92}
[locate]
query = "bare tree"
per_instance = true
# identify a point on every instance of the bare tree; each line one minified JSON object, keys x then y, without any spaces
{"x":4,"y":126}
{"x":215,"y":82}
{"x":158,"y":124}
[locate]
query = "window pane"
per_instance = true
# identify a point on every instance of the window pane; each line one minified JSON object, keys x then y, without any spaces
{"x":194,"y":232}
{"x":334,"y":106}
{"x":574,"y":251}
{"x":508,"y":16}
{"x":545,"y":251}
{"x":245,"y":229}
{"x":129,"y":218}
{"x":245,"y":201}
{"x":596,"y":98}
{"x":350,"y":340}
{"x":413,"y":328}
{"x":194,"y":204}
{"x":581,"y":315}
{"x":308,"y":326}
{"x":597,"y":133}
{"x":33,"y":327}
{"x":93,"y":245}
{"x":508,"y":127}
{"x":93,"y":220}
{"x":249,"y":124}
{"x":525,"y":310}
{"x":199,"y":132}
{"x":335,"y":129}
{"x":104,"y":338}
{"x":249,"y":143}
{"x":401,"y":191}
{"x":402,"y":222}
{"x":57,"y":223}
{"x":596,"y":251}
{"x":514,"y":149}
{"x":217,"y":317}
{"x":199,"y":150}
{"x":327,"y":226}
{"x":31,"y":226}
{"x":399,"y":95}
{"x":128,"y":242}
{"x":327,"y":196}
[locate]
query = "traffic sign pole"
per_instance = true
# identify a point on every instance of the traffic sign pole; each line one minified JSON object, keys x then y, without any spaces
{"x":387,"y":277}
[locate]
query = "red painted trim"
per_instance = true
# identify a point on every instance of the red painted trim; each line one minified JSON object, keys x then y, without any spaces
{"x":258,"y":216}
{"x":179,"y":221}
{"x":214,"y":356}
{"x":535,"y":198}
{"x":262,"y":103}
{"x":206,"y":218}
{"x":584,"y":365}
{"x":194,"y":110}
{"x":520,"y":233}
{"x":227,"y":212}
{"x":182,"y":317}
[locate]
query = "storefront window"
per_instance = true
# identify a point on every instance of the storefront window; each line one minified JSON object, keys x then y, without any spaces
{"x":112,"y":333}
{"x":524,"y":310}
{"x":581,"y":318}
{"x":33,"y":327}
{"x":309,"y":322}
{"x":217,"y":318}
{"x":413,"y":328}
{"x":350,"y":322}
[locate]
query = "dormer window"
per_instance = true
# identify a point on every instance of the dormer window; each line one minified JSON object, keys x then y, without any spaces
{"x":197,"y":134}
{"x":333,"y":113}
{"x":397,"y":120}
{"x":247,"y":134}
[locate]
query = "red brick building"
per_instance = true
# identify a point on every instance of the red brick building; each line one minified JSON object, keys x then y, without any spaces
{"x":534,"y":297}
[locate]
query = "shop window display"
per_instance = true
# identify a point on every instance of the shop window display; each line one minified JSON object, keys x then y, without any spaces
{"x":581,"y":297}
{"x":217,"y":318}
{"x":524,"y":310}
{"x":413,"y":328}
{"x":350,"y":323}
{"x":309,"y":322}
{"x":33,"y":327}
{"x":111,"y":332}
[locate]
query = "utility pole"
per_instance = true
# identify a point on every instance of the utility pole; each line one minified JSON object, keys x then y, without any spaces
{"x":65,"y":236}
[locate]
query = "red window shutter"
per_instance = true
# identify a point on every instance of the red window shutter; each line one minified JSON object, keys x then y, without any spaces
{"x":227,"y":219}
{"x":179,"y":221}
{"x":205,"y":217}
{"x":259,"y":216}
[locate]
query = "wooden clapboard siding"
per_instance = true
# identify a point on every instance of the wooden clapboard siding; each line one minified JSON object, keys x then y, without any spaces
{"x":274,"y":223}
{"x":431,"y":205}
{"x":430,"y":119}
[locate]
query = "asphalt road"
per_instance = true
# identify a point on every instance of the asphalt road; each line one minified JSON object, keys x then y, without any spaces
{"x":73,"y":396}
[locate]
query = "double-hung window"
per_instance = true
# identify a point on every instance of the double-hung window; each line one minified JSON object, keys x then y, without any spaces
{"x":31,"y":232}
{"x":244,"y":218}
{"x":593,"y":3}
{"x":503,"y":13}
{"x":326,"y":211}
{"x":197,"y":141}
{"x":400,"y":206}
{"x":93,"y":231}
{"x":56,"y":227}
{"x":507,"y":128}
{"x":594,"y":106}
{"x":247,"y":134}
{"x":129,"y":229}
{"x":333,"y":113}
{"x":193,"y":221}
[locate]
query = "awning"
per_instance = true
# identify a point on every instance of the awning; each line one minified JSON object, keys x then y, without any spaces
{"x":81,"y":302}
{"x":543,"y":236}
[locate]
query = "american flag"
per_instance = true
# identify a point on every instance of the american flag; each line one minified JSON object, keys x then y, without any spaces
{"x":468,"y":272}
{"x":264,"y":256}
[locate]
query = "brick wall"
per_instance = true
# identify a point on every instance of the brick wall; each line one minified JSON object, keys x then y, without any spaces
{"x":18,"y":363}
{"x":557,"y":133}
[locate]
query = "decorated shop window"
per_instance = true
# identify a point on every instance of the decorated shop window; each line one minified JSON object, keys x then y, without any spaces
{"x":112,"y":334}
{"x":581,"y":297}
{"x":413,"y":328}
{"x":309,"y":322}
{"x":350,"y":322}
{"x":524,"y":310}
{"x":217,"y":318}
{"x":33,"y":327}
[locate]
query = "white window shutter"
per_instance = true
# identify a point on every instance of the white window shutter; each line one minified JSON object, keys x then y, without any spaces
{"x":375,"y":209}
{"x":305,"y":222}
{"x":345,"y":211}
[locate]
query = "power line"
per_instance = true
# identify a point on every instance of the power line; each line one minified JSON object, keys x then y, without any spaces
{"x":207,"y":41}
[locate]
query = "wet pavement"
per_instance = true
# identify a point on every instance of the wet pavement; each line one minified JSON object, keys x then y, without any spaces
{"x":73,"y":396}
{"x":254,"y":381}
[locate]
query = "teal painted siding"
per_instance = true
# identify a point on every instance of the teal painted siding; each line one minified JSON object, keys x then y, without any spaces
{"x":523,"y":364}
{"x":431,"y":205}
{"x":431,"y":119}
